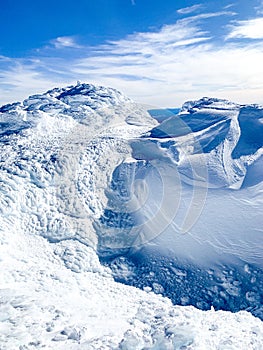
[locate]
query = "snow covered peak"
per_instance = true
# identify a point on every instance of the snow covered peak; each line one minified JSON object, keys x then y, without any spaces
{"x":208,"y":102}
{"x":57,"y":110}
{"x":87,"y":94}
{"x":98,"y":93}
{"x":90,"y":95}
{"x":79,"y":102}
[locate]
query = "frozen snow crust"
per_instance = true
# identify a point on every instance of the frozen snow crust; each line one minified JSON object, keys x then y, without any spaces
{"x":172,"y":208}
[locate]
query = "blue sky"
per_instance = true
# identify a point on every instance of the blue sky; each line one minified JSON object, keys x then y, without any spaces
{"x":158,"y":52}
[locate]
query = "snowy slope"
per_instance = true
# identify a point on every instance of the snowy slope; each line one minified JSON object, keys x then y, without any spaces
{"x":84,"y":170}
{"x":201,"y":212}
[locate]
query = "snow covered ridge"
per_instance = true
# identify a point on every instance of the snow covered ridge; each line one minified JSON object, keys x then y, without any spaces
{"x":230,"y":137}
{"x":85,"y":170}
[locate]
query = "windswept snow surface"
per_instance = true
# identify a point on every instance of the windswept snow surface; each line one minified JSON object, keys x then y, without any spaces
{"x":87,"y":173}
{"x":201,"y":224}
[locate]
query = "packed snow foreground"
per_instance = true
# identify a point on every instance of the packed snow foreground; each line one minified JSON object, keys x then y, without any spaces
{"x":87,"y":174}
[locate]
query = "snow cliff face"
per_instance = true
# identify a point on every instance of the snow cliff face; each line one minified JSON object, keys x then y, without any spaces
{"x":85,"y":170}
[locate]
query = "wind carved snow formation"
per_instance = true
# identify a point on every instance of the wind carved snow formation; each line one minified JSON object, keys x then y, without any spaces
{"x":86,"y":173}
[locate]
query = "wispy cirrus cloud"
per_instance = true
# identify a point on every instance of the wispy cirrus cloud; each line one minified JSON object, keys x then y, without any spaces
{"x":164,"y":67}
{"x":65,"y":41}
{"x":229,"y":6}
{"x":20,"y":78}
{"x":259,"y":7}
{"x":250,"y":29}
{"x":189,"y":9}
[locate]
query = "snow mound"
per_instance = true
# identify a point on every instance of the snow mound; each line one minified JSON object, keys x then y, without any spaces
{"x":193,"y":201}
{"x":58,"y":151}
{"x":229,"y":136}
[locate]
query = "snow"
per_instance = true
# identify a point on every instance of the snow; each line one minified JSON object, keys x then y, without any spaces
{"x":203,"y":212}
{"x":46,"y":302}
{"x":86,"y":173}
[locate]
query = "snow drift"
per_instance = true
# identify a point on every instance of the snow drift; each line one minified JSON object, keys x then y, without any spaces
{"x":86,"y":171}
{"x":202,"y":215}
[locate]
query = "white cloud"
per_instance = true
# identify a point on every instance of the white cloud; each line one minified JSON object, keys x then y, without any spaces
{"x":259,"y":8}
{"x":64,"y":42}
{"x":164,"y":39}
{"x":21,"y":80}
{"x":229,"y":6}
{"x":189,"y":9}
{"x":251,"y":29}
{"x":171,"y":76}
{"x":162,"y":68}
